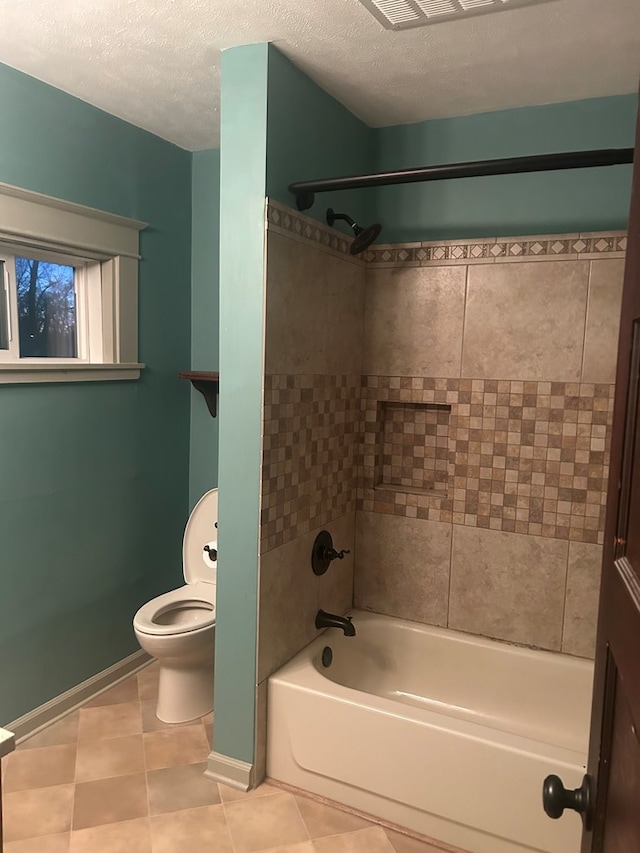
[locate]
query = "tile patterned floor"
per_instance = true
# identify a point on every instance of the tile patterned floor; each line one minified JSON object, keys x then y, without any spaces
{"x":111,"y":778}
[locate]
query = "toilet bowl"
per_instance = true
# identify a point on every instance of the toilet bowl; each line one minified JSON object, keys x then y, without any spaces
{"x":178,"y":627}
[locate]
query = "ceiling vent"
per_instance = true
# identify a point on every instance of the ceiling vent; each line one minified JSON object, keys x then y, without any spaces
{"x":404,"y":14}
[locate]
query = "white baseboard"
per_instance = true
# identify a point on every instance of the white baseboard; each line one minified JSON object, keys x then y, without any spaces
{"x":39,"y":718}
{"x":229,"y":771}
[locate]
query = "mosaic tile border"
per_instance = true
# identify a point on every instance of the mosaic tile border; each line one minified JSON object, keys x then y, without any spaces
{"x":573,"y":247}
{"x":523,"y":457}
{"x":291,"y":223}
{"x":310,"y":453}
{"x":546,"y":247}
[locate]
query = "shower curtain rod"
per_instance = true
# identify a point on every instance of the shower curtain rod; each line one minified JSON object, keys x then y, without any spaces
{"x":305,"y":190}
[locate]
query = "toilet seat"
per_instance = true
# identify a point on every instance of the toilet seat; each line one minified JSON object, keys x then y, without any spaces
{"x":181,"y":611}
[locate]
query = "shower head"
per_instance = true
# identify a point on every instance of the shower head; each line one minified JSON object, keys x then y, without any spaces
{"x":364,"y":237}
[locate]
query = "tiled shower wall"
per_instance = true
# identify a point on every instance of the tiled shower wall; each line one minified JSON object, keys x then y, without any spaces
{"x":513,"y":343}
{"x":311,"y":442}
{"x":485,"y":371}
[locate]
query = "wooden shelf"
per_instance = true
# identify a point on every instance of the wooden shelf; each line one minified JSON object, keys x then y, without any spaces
{"x":207,"y":384}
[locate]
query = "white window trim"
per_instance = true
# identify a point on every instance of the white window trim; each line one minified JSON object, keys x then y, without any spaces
{"x":35,"y":221}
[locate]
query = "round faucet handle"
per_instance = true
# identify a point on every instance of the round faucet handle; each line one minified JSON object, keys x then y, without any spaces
{"x":323,"y":553}
{"x":332,"y":554}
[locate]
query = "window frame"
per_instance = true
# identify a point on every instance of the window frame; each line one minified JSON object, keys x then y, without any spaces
{"x":107,"y":246}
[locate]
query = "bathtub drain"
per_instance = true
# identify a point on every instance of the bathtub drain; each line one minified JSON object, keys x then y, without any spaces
{"x":327,"y":656}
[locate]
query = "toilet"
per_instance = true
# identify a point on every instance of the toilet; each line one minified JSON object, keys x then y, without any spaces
{"x":178,"y":627}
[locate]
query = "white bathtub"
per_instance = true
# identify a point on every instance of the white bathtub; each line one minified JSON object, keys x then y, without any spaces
{"x":444,"y":733}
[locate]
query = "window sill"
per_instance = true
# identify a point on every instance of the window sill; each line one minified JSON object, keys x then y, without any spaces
{"x":23,"y":373}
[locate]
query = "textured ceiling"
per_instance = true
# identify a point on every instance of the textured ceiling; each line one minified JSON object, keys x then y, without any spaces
{"x":156,"y":63}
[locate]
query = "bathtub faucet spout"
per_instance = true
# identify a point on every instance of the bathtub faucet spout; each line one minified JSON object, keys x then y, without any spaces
{"x":330,"y":620}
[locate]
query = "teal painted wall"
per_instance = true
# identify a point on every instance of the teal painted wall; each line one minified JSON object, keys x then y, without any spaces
{"x":243,"y":146}
{"x":277,"y":127}
{"x":205,"y":244}
{"x":94,"y":483}
{"x":543,"y":202}
{"x":310,"y":136}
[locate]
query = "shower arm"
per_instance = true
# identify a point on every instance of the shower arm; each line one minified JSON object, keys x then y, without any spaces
{"x":305,"y":190}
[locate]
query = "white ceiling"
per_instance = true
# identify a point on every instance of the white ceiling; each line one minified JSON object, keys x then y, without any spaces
{"x":156,"y":63}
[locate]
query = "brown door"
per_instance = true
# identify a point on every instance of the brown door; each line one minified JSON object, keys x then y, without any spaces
{"x":614,"y":752}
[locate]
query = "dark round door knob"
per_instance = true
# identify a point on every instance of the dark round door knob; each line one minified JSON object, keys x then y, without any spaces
{"x":556,"y":798}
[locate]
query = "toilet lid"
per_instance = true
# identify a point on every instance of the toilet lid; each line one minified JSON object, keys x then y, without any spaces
{"x":200,"y":542}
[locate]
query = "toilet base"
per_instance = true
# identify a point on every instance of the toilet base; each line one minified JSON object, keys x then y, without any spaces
{"x":185,"y":693}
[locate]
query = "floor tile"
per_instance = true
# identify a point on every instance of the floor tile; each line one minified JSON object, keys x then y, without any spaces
{"x":45,"y":844}
{"x":131,"y":836}
{"x":263,"y":822}
{"x":148,"y":682}
{"x":150,"y":722}
{"x":42,"y":811}
{"x":63,"y":731}
{"x":201,"y":830}
{"x":109,"y":721}
{"x":110,"y":800}
{"x":39,"y":768}
{"x":101,"y":759}
{"x":229,"y":795}
{"x":186,"y":745}
{"x":125,"y":691}
{"x":372,"y":840}
{"x":140,"y":788}
{"x":184,"y":787}
{"x":321,"y":819}
{"x":405,"y":844}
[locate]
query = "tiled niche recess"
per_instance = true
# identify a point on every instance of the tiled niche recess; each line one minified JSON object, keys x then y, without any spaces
{"x":412,"y":455}
{"x":522,"y":457}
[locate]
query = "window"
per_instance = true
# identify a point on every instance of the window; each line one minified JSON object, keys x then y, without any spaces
{"x":68,"y":291}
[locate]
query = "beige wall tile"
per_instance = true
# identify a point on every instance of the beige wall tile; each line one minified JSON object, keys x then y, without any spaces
{"x":525,"y":321}
{"x":413,"y":321}
{"x":295,"y":304}
{"x":581,"y":607}
{"x":402,"y":567}
{"x":336,"y":584}
{"x":508,"y":586}
{"x":314,"y":310}
{"x":288,"y":603}
{"x":344,"y":332}
{"x":603,"y":321}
